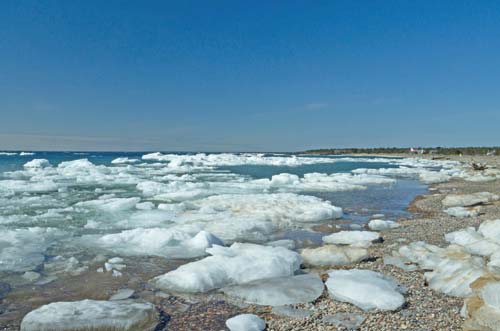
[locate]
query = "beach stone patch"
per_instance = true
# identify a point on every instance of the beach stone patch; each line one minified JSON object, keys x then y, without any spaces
{"x":126,"y":315}
{"x":351,"y":321}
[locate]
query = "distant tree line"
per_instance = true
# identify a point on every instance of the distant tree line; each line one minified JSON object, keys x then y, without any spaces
{"x":404,"y":150}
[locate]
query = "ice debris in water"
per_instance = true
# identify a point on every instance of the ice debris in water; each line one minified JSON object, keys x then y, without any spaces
{"x":246,"y":322}
{"x":238,"y":264}
{"x":23,"y":249}
{"x":365,"y":288}
{"x":467,"y":200}
{"x":278,"y":291}
{"x":379,"y":225}
{"x":330,"y":255}
{"x":94,"y":315}
{"x":354,"y":238}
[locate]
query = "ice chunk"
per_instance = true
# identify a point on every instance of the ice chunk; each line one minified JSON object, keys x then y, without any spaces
{"x":378,"y":225}
{"x":22,"y":249}
{"x":31,"y":276}
{"x":365,"y":288}
{"x":238,"y":264}
{"x":122,"y":160}
{"x":461,"y":212}
{"x":122,"y":294}
{"x":87,"y":315}
{"x":467,"y":200}
{"x":246,"y":322}
{"x":110,"y":204}
{"x":286,"y":243}
{"x":491,"y":230}
{"x":472,"y":241}
{"x":37,"y":163}
{"x":398,"y":262}
{"x":171,"y":242}
{"x":483,"y":310}
{"x":454,"y":276}
{"x":330,"y":255}
{"x":147,"y":205}
{"x":453,"y":269}
{"x":289,"y":311}
{"x":490,"y":294}
{"x":278,"y":291}
{"x":431,"y":177}
{"x":354,"y":238}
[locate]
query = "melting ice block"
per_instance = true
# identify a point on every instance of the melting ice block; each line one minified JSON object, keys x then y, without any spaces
{"x":246,"y":322}
{"x":278,"y":291}
{"x":238,"y":264}
{"x":330,"y":255}
{"x":126,"y":315}
{"x":467,"y":200}
{"x":378,"y":225}
{"x":354,"y":238}
{"x":461,"y":212}
{"x":365,"y":288}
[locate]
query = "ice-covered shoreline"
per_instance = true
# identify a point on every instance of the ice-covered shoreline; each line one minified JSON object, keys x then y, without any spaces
{"x":261,"y":205}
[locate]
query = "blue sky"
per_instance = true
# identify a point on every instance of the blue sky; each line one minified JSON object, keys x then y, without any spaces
{"x":248,"y":75}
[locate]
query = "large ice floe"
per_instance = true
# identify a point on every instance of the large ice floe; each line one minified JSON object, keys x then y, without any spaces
{"x":366,"y":289}
{"x":278,"y":291}
{"x":237,"y":264}
{"x":126,"y":315}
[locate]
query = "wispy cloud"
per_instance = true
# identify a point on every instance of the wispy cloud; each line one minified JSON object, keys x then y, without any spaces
{"x":316,"y":106}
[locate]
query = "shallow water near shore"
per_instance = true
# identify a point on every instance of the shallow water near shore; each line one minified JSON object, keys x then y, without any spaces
{"x":66,"y":216}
